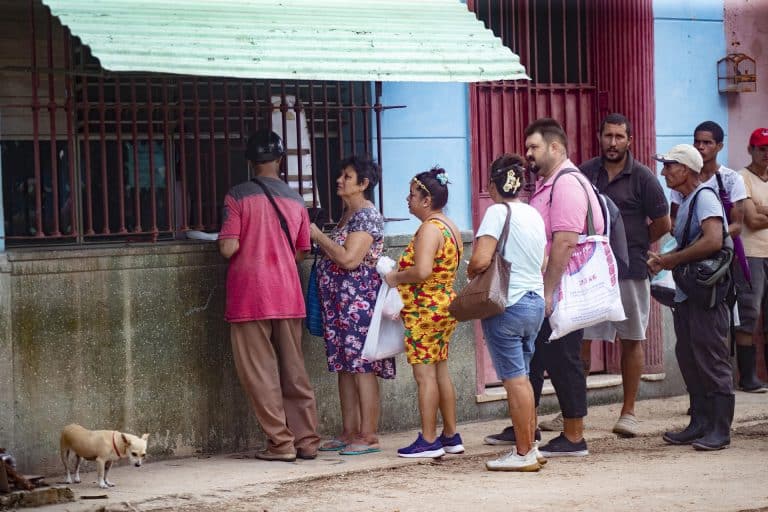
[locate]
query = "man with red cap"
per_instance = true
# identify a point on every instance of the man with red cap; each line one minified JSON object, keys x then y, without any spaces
{"x":754,"y":234}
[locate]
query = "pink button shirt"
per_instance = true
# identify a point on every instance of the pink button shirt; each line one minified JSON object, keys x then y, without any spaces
{"x":568,"y":210}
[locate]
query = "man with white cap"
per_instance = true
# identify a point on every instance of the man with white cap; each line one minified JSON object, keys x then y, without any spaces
{"x":752,"y":297}
{"x":702,"y":332}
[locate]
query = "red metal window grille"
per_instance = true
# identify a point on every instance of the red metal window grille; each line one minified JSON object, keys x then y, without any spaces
{"x":89,"y":155}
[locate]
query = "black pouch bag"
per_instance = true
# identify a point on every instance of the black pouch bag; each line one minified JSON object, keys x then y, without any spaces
{"x":709,"y":281}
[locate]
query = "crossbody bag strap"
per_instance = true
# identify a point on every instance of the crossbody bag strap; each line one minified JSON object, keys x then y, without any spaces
{"x":725,"y":197}
{"x":590,"y":216}
{"x":280,"y":216}
{"x":504,"y":232}
{"x":687,"y":228}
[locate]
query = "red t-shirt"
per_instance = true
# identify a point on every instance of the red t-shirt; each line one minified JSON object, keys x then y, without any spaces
{"x":263,"y":280}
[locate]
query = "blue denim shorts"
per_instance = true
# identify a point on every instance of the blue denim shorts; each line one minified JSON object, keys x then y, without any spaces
{"x":511,"y":335}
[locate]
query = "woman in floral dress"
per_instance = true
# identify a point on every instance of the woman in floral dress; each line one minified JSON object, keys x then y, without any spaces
{"x":424,"y":277}
{"x":349,"y":284}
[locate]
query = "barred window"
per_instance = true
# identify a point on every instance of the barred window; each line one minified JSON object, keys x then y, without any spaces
{"x":88,"y":155}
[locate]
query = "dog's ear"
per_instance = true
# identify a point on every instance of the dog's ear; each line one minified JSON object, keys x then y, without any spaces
{"x":145,"y":437}
{"x":125,"y":439}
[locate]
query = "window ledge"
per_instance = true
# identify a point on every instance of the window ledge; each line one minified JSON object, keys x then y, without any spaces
{"x":593,"y":382}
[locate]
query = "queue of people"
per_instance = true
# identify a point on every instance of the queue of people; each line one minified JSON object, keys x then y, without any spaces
{"x":266,"y":230}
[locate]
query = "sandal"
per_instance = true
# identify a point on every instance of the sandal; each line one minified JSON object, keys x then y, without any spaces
{"x":360,"y":449}
{"x":333,"y":445}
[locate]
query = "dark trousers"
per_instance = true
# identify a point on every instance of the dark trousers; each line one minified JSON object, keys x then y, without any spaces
{"x":702,"y":348}
{"x":561,"y":359}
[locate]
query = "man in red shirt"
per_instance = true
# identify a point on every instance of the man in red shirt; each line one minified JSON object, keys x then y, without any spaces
{"x":264,"y":234}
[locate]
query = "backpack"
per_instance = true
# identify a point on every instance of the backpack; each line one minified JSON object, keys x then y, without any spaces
{"x":614,"y":223}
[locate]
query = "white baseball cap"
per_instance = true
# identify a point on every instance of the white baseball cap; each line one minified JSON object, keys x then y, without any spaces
{"x":683,"y":154}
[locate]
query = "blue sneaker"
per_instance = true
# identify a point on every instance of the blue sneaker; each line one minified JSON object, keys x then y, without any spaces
{"x":421,"y":448}
{"x":451,"y":444}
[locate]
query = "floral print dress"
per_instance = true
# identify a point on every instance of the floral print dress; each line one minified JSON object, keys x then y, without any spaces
{"x":348,"y":298}
{"x":428,"y":324}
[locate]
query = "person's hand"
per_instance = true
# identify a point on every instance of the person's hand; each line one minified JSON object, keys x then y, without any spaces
{"x":548,"y":306}
{"x":314,"y":232}
{"x":655,"y":262}
{"x":390,"y":279}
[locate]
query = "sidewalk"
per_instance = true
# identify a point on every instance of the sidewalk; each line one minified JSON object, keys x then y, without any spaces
{"x":219,"y":479}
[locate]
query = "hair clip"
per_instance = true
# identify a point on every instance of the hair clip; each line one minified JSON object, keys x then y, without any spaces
{"x":442,"y":178}
{"x":419,"y":184}
{"x":512,"y":183}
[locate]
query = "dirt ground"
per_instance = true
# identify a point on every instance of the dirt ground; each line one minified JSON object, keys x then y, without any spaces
{"x":642,"y":474}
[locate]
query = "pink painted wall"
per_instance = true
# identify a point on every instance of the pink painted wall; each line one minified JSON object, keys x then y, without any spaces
{"x":746,"y":31}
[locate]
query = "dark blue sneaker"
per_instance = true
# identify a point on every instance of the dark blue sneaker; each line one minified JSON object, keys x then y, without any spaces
{"x":451,"y":444}
{"x":421,"y":448}
{"x":562,"y":447}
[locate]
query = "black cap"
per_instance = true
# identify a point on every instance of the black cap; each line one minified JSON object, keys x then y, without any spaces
{"x":264,"y":146}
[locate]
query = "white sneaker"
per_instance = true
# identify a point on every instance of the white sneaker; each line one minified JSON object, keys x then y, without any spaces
{"x":539,"y":457}
{"x":514,"y":462}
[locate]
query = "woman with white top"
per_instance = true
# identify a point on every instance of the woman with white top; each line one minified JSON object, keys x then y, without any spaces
{"x":510,"y":336}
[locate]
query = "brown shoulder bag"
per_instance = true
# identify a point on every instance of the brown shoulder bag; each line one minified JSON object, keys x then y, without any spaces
{"x":486,"y":294}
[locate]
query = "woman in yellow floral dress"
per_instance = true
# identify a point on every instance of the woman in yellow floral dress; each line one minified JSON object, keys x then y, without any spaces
{"x":424,"y":277}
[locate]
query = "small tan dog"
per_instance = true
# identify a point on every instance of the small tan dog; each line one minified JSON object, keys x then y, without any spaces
{"x":103,"y":446}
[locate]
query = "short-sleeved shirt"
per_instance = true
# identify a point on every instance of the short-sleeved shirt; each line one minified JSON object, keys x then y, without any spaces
{"x":262,"y":279}
{"x":640,"y":197}
{"x":524,"y":248}
{"x":707,"y":205}
{"x":568,"y":209}
{"x":755,"y":241}
{"x":732,"y":182}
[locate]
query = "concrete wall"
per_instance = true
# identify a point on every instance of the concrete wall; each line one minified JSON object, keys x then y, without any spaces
{"x":746,"y":31}
{"x":127,"y":339}
{"x":688,"y":42}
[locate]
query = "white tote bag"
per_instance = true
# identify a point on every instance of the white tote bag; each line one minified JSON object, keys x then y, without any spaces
{"x":386,"y":334}
{"x":589,"y":289}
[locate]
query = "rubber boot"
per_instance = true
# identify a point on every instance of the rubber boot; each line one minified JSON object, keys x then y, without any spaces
{"x":721,"y":417}
{"x":748,"y":381}
{"x":697,"y":427}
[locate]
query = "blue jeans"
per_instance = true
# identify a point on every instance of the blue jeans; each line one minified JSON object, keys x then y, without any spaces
{"x":510,"y":336}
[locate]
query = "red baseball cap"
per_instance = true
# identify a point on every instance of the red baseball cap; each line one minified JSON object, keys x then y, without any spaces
{"x":759,"y":137}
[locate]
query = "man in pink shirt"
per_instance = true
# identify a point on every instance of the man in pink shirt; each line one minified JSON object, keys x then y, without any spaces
{"x":564,"y":210}
{"x":264,"y":234}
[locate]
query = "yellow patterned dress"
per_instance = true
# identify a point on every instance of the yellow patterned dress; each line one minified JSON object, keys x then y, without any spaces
{"x":428,"y":325}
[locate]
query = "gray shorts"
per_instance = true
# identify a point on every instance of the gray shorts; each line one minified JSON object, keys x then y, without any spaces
{"x":636,"y":299}
{"x":751,"y":300}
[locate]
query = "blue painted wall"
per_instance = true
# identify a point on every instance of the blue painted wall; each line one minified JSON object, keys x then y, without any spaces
{"x":689,"y":39}
{"x":432,"y":130}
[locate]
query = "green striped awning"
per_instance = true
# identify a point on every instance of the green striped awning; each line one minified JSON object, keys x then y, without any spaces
{"x":361,"y":40}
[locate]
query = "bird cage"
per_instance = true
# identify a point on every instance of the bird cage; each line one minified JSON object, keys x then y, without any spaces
{"x":736,"y":72}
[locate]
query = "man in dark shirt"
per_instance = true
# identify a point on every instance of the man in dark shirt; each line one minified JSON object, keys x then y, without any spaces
{"x":644,"y":209}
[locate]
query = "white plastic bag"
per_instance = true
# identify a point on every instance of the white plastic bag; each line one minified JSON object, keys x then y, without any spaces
{"x":386,"y":334}
{"x":589,"y":289}
{"x":393,"y":303}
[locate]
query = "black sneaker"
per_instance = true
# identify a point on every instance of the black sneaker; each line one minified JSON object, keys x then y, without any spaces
{"x":562,"y":447}
{"x":507,"y":436}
